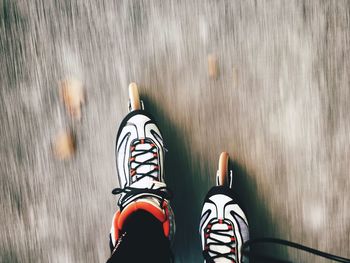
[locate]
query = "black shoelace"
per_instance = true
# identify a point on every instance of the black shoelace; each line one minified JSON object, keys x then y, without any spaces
{"x":148,"y":147}
{"x":209,"y":254}
{"x":265,"y":258}
{"x":136,"y":165}
{"x":160,"y":193}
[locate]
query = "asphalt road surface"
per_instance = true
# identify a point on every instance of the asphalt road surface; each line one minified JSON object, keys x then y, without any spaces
{"x":279,"y":104}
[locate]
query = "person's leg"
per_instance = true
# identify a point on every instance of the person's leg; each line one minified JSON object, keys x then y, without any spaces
{"x":142,"y":240}
{"x":223,"y":226}
{"x":144,"y":224}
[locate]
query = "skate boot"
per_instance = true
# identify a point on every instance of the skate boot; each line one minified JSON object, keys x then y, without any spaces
{"x":139,"y":160}
{"x":223,"y":226}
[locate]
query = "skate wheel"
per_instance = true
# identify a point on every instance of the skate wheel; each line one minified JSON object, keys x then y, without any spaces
{"x":223,"y":168}
{"x":134,"y":97}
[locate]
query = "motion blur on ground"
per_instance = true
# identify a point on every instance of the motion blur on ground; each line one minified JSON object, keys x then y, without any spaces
{"x":267,"y":81}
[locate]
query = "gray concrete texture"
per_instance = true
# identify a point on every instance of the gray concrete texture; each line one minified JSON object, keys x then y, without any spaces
{"x":279,"y":106}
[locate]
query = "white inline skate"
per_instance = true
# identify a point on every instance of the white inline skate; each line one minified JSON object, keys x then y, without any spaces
{"x":223,"y":226}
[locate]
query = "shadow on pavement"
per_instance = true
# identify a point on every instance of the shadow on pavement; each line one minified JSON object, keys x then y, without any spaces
{"x":183,"y":178}
{"x":189,"y":182}
{"x":260,"y":221}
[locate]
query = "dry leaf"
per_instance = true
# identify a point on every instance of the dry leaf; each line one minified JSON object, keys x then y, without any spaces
{"x":73,"y":97}
{"x":213,"y":66}
{"x":64,"y":145}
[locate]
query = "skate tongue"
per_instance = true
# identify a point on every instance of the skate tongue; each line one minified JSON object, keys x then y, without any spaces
{"x":144,"y":160}
{"x":150,"y":205}
{"x":148,"y":182}
{"x":222,"y":233}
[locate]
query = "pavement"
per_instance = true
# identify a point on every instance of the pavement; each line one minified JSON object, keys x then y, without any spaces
{"x":267,"y":81}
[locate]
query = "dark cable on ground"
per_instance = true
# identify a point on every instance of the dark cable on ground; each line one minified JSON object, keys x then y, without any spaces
{"x":264,"y":258}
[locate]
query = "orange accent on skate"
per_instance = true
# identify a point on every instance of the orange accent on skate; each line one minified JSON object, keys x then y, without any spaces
{"x":152,"y":144}
{"x":166,"y":228}
{"x":156,"y":212}
{"x":166,"y":224}
{"x":132,"y":148}
{"x":132,"y":159}
{"x":155,"y":155}
{"x":115,"y":225}
{"x":142,"y":141}
{"x":133,"y":172}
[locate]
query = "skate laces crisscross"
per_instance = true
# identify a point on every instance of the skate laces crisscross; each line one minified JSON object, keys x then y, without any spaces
{"x":143,"y":162}
{"x":220,"y":237}
{"x":143,"y":154}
